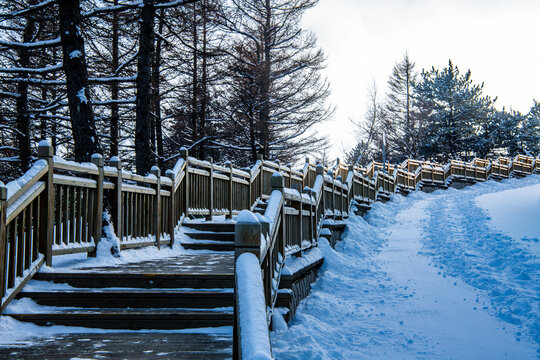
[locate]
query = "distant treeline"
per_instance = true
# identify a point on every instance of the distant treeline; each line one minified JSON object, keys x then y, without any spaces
{"x":441,"y":115}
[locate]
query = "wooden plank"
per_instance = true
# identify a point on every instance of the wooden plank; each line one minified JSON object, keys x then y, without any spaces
{"x":65,"y":217}
{"x":28,"y":235}
{"x":46,"y":220}
{"x":36,"y":230}
{"x":27,"y":186}
{"x":72,"y":205}
{"x":62,"y":164}
{"x":74,"y":181}
{"x":34,"y":269}
{"x":78,"y":215}
{"x":3,"y":238}
{"x":23,"y":201}
{"x":138,"y":189}
{"x":84,"y":216}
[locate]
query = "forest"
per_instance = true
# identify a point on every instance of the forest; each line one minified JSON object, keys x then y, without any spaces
{"x":226,"y":79}
{"x":441,"y":114}
{"x":141,"y":79}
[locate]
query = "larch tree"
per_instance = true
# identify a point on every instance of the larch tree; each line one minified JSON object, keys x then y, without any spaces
{"x":85,"y":137}
{"x":279,"y":65}
{"x":402,"y":126}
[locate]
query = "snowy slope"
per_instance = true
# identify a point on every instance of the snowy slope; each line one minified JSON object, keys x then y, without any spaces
{"x":430,"y":276}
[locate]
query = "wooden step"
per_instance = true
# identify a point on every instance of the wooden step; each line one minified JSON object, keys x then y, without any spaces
{"x":130,"y":319}
{"x":132,"y":298}
{"x":209,"y":245}
{"x":140,"y":280}
{"x":210,"y":226}
{"x":123,"y":345}
{"x":215,"y":236}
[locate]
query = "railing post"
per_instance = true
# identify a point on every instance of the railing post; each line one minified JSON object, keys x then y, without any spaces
{"x":229,"y":165}
{"x":97,"y":160}
{"x":247,"y":238}
{"x":277,"y":183}
{"x":172,"y":206}
{"x":46,"y":204}
{"x":184,"y":154}
{"x":320,"y":171}
{"x":156,"y":217}
{"x":210,"y":194}
{"x":117,"y":199}
{"x":307,"y":190}
{"x":3,"y":205}
{"x":260,"y":158}
{"x":331,"y":173}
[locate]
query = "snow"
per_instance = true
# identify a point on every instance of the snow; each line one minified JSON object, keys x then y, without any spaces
{"x":15,"y":185}
{"x":255,"y":342}
{"x":515,"y":212}
{"x":75,"y":54}
{"x":82,"y":96}
{"x":294,"y":263}
{"x":430,"y":276}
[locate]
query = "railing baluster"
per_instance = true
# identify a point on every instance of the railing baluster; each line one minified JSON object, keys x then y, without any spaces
{"x":3,"y":238}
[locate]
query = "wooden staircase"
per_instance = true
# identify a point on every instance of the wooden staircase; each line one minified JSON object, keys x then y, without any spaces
{"x":181,"y":292}
{"x":209,"y":236}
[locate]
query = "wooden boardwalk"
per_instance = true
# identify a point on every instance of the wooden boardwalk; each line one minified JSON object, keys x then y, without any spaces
{"x":146,"y":302}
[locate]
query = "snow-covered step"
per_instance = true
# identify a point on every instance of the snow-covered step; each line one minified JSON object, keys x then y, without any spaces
{"x":211,"y":235}
{"x":132,"y":298}
{"x":211,"y":226}
{"x":90,"y":279}
{"x":130,"y":319}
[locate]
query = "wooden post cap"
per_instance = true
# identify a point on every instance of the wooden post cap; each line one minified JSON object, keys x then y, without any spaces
{"x":97,"y":160}
{"x":276,"y":181}
{"x":247,"y":230}
{"x":320,"y":169}
{"x":351,"y":167}
{"x":339,"y":178}
{"x":115,"y":162}
{"x":3,"y":192}
{"x":209,"y":159}
{"x":45,"y":149}
{"x":183,"y":152}
{"x":155,"y":171}
{"x":170,"y":174}
{"x":307,"y":159}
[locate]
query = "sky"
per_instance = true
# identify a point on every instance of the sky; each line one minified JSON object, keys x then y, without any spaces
{"x":498,"y":40}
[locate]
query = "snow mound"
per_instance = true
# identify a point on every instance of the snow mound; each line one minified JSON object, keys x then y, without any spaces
{"x":429,"y":276}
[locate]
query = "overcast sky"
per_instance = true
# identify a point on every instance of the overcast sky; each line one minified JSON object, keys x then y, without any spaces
{"x":498,"y":40}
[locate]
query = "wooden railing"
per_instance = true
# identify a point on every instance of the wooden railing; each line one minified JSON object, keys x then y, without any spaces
{"x":291,"y":223}
{"x":58,"y":206}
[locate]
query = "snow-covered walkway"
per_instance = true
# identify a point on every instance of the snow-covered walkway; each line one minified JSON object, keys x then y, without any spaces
{"x":447,"y":275}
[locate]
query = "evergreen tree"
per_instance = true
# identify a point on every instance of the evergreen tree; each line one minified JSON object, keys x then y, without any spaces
{"x":454,"y":110}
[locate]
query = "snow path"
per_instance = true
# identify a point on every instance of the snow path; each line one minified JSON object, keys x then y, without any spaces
{"x":423,"y":277}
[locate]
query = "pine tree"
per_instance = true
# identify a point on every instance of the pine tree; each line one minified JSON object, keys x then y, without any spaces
{"x":454,"y":108}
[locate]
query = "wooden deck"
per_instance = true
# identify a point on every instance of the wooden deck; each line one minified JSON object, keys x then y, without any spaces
{"x":182,"y":292}
{"x":127,"y":345}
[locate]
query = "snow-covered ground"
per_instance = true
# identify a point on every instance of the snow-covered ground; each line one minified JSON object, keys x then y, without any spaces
{"x":449,"y":275}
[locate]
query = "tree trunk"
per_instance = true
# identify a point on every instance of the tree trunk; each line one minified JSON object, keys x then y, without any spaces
{"x":143,"y":152}
{"x":80,"y":107}
{"x":156,"y":95}
{"x":204,"y":80}
{"x":114,"y":86}
{"x":265,"y":88}
{"x":194,"y":75}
